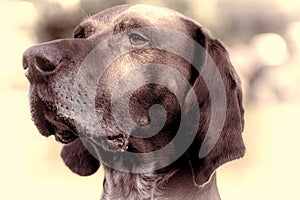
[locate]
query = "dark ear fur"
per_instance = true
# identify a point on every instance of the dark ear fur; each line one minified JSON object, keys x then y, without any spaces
{"x":78,"y":158}
{"x":230,"y":144}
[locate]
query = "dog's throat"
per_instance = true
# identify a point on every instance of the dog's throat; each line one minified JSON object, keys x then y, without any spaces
{"x":175,"y":185}
{"x":132,"y":185}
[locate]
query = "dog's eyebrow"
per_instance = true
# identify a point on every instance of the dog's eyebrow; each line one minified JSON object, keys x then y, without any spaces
{"x":130,"y":23}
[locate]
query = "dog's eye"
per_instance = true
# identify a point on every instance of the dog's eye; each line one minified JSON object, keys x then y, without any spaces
{"x":136,"y":39}
{"x":79,"y":33}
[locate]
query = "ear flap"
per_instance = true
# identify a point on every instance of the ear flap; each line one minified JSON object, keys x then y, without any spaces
{"x":229,"y":143}
{"x":79,"y":159}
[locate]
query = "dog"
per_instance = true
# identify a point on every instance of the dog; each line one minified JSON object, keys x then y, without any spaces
{"x":171,"y":77}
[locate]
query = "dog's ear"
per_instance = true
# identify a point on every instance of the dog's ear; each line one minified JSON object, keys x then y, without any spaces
{"x":78,"y":158}
{"x":220,"y":144}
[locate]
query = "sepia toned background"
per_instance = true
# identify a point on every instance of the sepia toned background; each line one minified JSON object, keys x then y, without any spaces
{"x":263,"y":39}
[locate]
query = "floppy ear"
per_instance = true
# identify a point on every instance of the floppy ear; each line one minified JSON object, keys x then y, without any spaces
{"x":79,"y":159}
{"x":229,"y":143}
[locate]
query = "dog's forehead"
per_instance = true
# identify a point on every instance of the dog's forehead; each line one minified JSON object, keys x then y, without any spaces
{"x":157,"y":16}
{"x":153,"y":13}
{"x":104,"y":18}
{"x":110,"y":14}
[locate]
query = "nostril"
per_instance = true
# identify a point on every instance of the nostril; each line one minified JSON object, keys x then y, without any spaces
{"x":44,"y":64}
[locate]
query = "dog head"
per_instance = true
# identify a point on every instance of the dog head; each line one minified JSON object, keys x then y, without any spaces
{"x":128,"y":81}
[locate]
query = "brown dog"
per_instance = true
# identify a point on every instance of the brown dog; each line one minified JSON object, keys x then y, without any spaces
{"x":118,"y":93}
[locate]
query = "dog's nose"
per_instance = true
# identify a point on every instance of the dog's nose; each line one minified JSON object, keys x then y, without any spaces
{"x":40,"y":61}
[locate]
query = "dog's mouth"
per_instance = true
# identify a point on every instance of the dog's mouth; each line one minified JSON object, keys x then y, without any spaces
{"x":115,"y":143}
{"x":65,"y":132}
{"x":49,"y":122}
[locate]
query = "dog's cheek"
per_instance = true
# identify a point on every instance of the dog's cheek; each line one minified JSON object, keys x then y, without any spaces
{"x":78,"y":159}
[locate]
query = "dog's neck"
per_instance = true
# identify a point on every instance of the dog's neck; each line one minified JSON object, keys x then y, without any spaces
{"x":174,"y":184}
{"x":123,"y":185}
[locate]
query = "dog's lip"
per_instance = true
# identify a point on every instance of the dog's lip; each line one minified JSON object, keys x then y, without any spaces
{"x":63,"y":131}
{"x":118,"y":141}
{"x":112,"y":143}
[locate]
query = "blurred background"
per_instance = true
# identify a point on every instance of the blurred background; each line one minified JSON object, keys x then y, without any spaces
{"x":263,"y":39}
